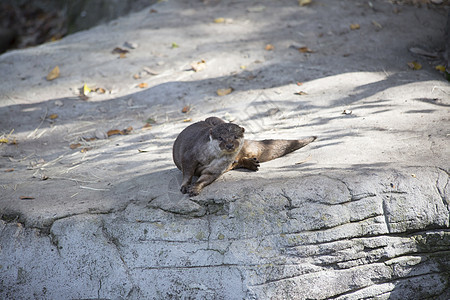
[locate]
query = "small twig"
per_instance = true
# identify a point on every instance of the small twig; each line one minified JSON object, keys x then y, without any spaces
{"x":93,"y":189}
{"x":72,"y":179}
{"x":42,"y":121}
{"x":305,"y":160}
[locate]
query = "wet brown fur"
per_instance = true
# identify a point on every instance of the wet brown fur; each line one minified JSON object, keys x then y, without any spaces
{"x":209,"y":148}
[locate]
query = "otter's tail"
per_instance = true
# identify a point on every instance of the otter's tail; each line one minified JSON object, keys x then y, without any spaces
{"x":270,"y":149}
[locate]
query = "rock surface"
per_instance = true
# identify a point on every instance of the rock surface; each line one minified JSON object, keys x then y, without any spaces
{"x":361,"y":213}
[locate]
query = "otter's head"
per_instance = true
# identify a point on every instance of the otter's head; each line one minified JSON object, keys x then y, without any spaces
{"x":229,"y":136}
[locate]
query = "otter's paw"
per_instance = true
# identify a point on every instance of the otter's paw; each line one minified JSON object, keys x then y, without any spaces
{"x":194,"y":192}
{"x":184,"y":189}
{"x":252,"y":164}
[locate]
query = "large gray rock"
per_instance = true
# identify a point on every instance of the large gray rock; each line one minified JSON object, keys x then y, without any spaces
{"x":361,"y":213}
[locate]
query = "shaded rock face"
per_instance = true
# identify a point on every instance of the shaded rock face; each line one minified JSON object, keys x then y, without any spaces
{"x":24,"y":23}
{"x":383,"y":236}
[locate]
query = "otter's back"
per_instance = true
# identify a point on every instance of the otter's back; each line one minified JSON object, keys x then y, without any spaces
{"x":189,"y":140}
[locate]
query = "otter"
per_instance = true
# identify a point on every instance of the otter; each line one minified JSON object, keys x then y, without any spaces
{"x":209,"y":148}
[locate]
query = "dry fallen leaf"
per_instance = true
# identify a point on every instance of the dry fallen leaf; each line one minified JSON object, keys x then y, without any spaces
{"x":198,"y":66}
{"x":305,"y":50}
{"x":440,"y":68}
{"x":269,"y":47}
{"x":9,"y":170}
{"x":121,"y":132}
{"x":354,"y":26}
{"x":186,"y":109}
{"x":26,"y":198}
{"x":304,"y":2}
{"x":118,"y":50}
{"x":53,"y":74}
{"x":299,"y":83}
{"x":74,"y":146}
{"x":414,"y":65}
{"x":113,"y":132}
{"x":53,"y":116}
{"x":86,"y":90}
{"x":127,"y":130}
{"x":187,"y":120}
{"x":223,"y":92}
{"x":301,"y":93}
{"x":147,"y":126}
{"x":143,"y":85}
{"x":100,"y":90}
{"x":84,"y":150}
{"x":219,"y":20}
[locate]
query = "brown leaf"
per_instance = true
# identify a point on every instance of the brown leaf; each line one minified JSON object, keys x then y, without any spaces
{"x":147,"y":126}
{"x":119,"y":50}
{"x":136,"y":76}
{"x":53,"y":74}
{"x":354,"y":26}
{"x":269,"y":47}
{"x":186,"y":109}
{"x":143,"y":85}
{"x":121,"y":132}
{"x":9,"y":170}
{"x":26,"y":198}
{"x":74,"y":146}
{"x":223,"y":92}
{"x":127,"y":130}
{"x":301,"y":93}
{"x":100,"y":90}
{"x":305,"y":50}
{"x":53,"y":116}
{"x":113,"y":132}
{"x":299,"y":83}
